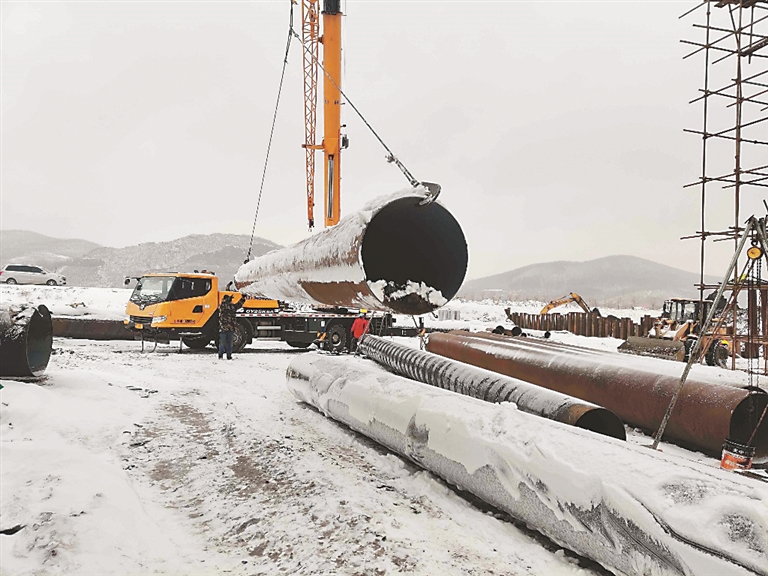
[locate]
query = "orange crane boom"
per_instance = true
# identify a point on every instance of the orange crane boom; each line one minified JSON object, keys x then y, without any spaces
{"x":333,"y":142}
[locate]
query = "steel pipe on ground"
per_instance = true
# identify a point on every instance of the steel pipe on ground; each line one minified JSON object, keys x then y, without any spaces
{"x":26,"y":340}
{"x":637,"y":389}
{"x":66,"y":327}
{"x":394,"y":255}
{"x":624,"y":506}
{"x":490,"y":386}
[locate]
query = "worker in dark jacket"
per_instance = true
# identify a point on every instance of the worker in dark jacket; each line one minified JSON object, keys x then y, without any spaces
{"x":359,"y":327}
{"x":227,"y":310}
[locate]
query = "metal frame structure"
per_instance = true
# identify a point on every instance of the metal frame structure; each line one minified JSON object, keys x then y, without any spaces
{"x":310,"y":31}
{"x":734,"y":102}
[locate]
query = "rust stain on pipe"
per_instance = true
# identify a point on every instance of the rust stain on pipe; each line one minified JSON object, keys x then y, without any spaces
{"x":394,"y":255}
{"x":489,"y":386}
{"x":705,"y":414}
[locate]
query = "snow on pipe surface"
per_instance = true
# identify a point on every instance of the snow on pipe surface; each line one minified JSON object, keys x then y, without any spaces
{"x":637,"y":389}
{"x":393,"y":255}
{"x":490,"y":386}
{"x":633,"y":510}
{"x":26,"y":340}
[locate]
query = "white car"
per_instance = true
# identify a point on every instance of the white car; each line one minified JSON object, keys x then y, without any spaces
{"x":23,"y":274}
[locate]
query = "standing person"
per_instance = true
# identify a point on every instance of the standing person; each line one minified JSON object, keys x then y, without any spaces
{"x":227,"y":310}
{"x":359,"y":327}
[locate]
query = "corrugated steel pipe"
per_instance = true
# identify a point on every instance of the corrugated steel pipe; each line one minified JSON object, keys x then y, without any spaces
{"x":490,"y":386}
{"x":637,"y":389}
{"x":26,"y":340}
{"x":622,"y":505}
{"x":395,"y":255}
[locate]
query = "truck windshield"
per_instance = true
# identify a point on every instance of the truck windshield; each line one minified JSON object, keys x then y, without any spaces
{"x":152,"y":289}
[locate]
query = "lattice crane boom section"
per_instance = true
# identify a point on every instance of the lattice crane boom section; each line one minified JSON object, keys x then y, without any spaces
{"x":310,"y":29}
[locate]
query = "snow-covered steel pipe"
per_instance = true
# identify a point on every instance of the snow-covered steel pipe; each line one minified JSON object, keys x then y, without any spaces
{"x":26,"y":340}
{"x":396,"y":254}
{"x":638,"y":389}
{"x":490,"y":386}
{"x":633,"y":510}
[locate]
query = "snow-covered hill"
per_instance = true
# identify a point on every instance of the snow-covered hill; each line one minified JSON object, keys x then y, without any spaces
{"x":613,"y":281}
{"x":87,"y":264}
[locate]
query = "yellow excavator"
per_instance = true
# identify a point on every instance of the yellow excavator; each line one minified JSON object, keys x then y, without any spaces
{"x":572,"y":297}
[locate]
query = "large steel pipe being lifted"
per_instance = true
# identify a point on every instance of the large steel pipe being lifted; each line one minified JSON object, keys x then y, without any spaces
{"x":624,"y":506}
{"x":396,"y":254}
{"x":26,"y":340}
{"x":637,"y":389}
{"x":490,"y":386}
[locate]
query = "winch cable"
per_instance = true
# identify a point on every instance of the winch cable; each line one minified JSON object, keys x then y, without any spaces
{"x":433,"y":189}
{"x":291,"y":33}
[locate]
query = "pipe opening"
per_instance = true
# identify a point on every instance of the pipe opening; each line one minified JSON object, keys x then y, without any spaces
{"x":744,"y":419}
{"x":26,"y":339}
{"x":414,"y":257}
{"x":39,"y":341}
{"x":604,"y":422}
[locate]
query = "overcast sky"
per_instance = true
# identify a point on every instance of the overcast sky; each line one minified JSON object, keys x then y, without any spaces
{"x":554,"y":128}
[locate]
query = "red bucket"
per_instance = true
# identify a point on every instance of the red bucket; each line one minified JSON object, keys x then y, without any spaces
{"x":736,"y":456}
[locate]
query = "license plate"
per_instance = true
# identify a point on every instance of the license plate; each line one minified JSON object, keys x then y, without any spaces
{"x":139,"y":326}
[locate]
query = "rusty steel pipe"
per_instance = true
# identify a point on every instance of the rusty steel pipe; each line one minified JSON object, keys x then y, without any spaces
{"x":26,"y":340}
{"x":637,"y":389}
{"x":394,"y":255}
{"x":84,"y":328}
{"x":490,"y":386}
{"x":622,"y":505}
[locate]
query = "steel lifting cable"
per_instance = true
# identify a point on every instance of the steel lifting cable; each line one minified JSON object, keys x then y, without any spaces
{"x":759,"y":336}
{"x":291,"y":33}
{"x":754,"y":272}
{"x":756,"y":382}
{"x":432,"y":188}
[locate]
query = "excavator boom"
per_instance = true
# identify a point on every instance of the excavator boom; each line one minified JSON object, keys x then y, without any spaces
{"x":572,"y":297}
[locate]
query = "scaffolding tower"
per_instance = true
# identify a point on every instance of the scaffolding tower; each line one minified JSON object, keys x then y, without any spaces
{"x":732,"y":40}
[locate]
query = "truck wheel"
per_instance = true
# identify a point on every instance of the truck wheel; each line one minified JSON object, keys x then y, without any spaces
{"x":336,"y":338}
{"x":299,"y":344}
{"x":196,"y":343}
{"x":239,"y":338}
{"x":717,"y":355}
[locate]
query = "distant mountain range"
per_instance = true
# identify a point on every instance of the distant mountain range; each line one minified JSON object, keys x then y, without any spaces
{"x":88,"y":264}
{"x":613,"y":281}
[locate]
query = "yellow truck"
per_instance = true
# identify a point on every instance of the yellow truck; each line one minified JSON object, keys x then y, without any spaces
{"x":185,"y":306}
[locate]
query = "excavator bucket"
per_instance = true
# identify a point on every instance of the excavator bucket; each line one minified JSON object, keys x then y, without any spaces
{"x":656,"y":347}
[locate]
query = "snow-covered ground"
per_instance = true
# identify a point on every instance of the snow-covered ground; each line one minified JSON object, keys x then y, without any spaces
{"x":120,"y":462}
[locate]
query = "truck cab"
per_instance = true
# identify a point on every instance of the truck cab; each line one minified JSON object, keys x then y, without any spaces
{"x":181,"y":305}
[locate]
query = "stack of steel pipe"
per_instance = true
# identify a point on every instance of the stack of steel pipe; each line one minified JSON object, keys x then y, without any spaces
{"x":398,"y":254}
{"x":26,"y":340}
{"x":637,"y":389}
{"x":490,"y":386}
{"x":623,"y":506}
